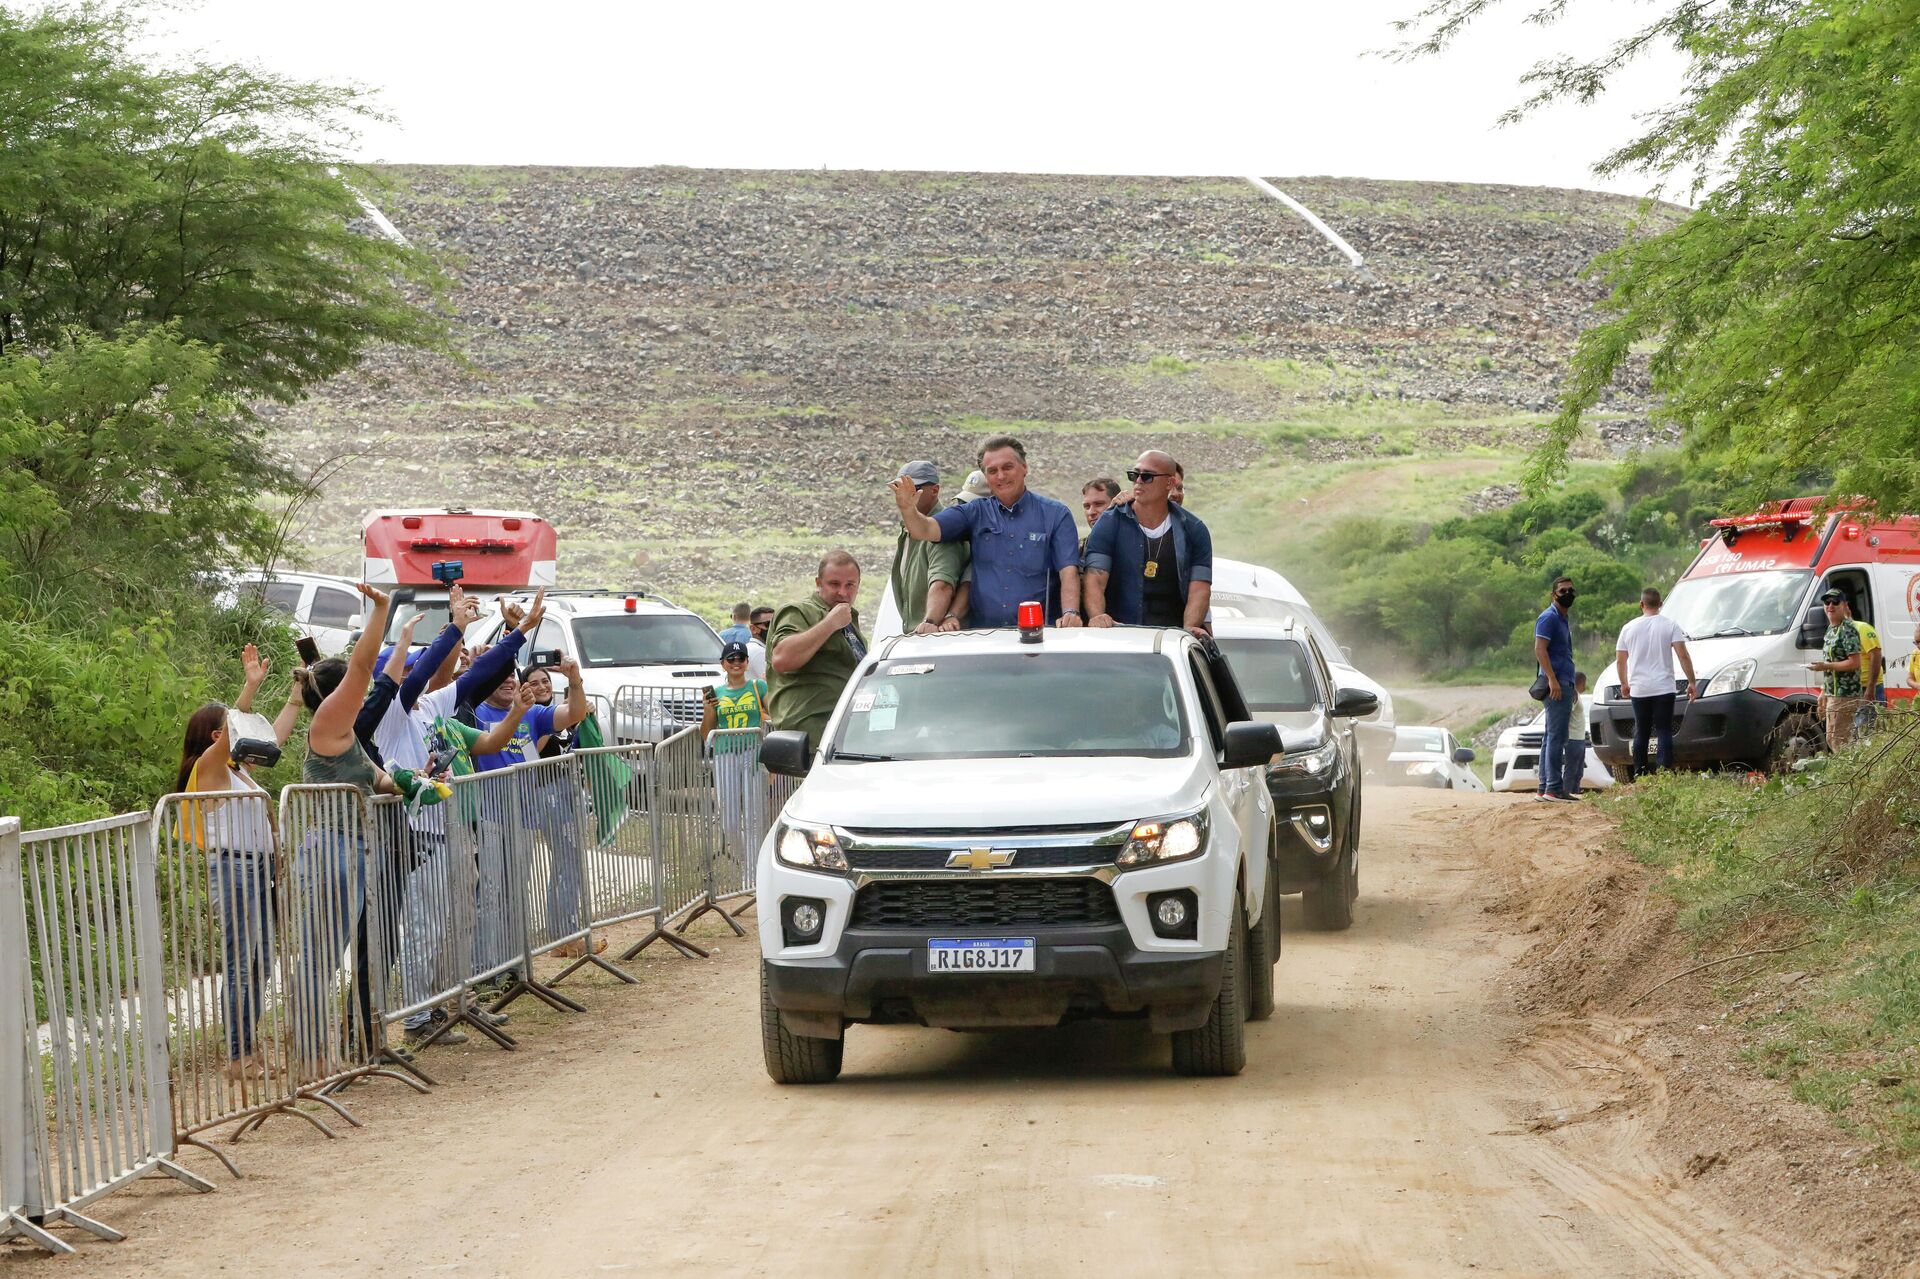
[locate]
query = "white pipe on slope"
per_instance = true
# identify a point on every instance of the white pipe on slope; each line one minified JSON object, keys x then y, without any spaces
{"x":1311,"y":219}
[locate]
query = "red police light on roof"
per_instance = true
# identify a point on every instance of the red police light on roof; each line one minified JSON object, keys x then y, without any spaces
{"x":1033,"y":621}
{"x":633,"y":604}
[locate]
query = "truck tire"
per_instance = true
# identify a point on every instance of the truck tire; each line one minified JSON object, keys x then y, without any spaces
{"x":1263,"y":952}
{"x":1799,"y":735}
{"x":1329,"y":903}
{"x":791,"y":1058}
{"x":1220,"y":1046}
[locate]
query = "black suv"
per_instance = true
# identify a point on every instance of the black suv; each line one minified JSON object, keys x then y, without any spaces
{"x":1315,"y":781}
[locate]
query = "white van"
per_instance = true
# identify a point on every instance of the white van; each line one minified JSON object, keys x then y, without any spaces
{"x":1750,"y":605}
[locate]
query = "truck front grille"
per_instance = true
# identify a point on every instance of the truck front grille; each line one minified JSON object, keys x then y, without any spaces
{"x":984,"y":903}
{"x":1045,"y":858}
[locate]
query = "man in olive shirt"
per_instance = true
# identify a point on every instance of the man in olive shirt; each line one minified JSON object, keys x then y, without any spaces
{"x":813,"y":648}
{"x":926,"y":575}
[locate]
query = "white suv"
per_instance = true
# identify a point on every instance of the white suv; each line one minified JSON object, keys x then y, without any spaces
{"x":1008,"y":828}
{"x":646,"y":659}
{"x":321,"y":606}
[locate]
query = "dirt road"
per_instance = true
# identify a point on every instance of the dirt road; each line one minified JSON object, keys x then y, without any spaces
{"x":1392,"y":1121}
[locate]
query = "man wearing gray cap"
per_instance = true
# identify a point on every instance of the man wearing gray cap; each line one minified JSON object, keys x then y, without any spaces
{"x":926,"y":575}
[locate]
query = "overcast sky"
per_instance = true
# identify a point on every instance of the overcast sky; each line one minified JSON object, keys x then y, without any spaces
{"x":1280,"y":87}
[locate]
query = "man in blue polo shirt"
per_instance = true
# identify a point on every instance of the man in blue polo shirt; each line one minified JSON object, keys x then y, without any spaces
{"x":1150,"y":561}
{"x":1025,"y":546}
{"x":1553,"y":651}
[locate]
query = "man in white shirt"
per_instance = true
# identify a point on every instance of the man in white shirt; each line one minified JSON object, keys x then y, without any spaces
{"x":757,"y":624}
{"x":1643,"y":655}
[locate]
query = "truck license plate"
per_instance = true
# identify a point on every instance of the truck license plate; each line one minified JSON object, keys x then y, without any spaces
{"x":980,"y":955}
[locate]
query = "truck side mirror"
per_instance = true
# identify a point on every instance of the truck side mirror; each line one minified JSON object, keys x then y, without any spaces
{"x":786,"y":752}
{"x":1463,"y":755}
{"x":1352,"y":703}
{"x":1813,"y":630}
{"x":1250,"y":744}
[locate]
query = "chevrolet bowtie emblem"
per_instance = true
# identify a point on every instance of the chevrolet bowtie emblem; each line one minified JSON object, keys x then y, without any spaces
{"x":980,"y":858}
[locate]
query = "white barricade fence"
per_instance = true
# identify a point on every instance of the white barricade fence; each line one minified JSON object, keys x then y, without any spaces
{"x":331,"y":951}
{"x":216,"y":860}
{"x":530,"y":826}
{"x":23,"y":1118}
{"x":417,"y":916}
{"x":655,"y":712}
{"x":88,"y":1105}
{"x":749,"y":801}
{"x":686,"y":823}
{"x":623,"y":854}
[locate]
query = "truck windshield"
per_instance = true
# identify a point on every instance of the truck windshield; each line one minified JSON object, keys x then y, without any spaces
{"x":670,"y":639}
{"x":1273,"y":673}
{"x":1763,"y":603}
{"x":998,"y":705}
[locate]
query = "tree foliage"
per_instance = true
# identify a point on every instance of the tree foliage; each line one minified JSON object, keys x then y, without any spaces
{"x":206,"y":197}
{"x":124,"y":464}
{"x":1783,"y":313}
{"x":1466,"y":591}
{"x":176,"y":245}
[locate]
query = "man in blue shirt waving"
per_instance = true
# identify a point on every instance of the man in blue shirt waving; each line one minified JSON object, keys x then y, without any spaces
{"x":1025,"y":546}
{"x":1553,"y":650}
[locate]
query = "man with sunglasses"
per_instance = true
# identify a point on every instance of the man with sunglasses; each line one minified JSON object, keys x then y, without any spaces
{"x":926,"y":576}
{"x":1150,"y":560}
{"x":1024,"y":546}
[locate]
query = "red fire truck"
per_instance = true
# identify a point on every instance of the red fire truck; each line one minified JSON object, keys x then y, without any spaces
{"x":1750,"y":605}
{"x":497,"y":551}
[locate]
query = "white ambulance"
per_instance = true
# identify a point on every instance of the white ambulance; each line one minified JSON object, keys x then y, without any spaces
{"x":1750,"y":605}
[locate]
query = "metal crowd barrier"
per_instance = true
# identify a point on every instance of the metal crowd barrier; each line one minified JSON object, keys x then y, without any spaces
{"x":205,"y":965}
{"x":655,"y":712}
{"x":624,"y":850}
{"x":86,"y":1107}
{"x":332,"y":951}
{"x":686,"y":824}
{"x":748,"y":799}
{"x":215,"y":863}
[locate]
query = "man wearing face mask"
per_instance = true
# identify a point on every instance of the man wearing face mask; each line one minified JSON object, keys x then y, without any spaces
{"x":1553,"y":650}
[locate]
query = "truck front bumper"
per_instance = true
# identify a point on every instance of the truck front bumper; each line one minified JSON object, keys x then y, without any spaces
{"x":1724,"y":729}
{"x":882,"y":977}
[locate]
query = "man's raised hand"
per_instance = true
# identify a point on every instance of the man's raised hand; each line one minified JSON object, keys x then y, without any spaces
{"x":904,"y":492}
{"x":535,"y":612}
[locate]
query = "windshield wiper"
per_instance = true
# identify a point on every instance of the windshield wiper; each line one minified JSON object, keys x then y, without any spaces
{"x":855,"y":757}
{"x":1729,"y":631}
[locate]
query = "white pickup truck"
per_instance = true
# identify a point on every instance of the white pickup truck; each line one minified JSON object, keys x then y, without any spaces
{"x":1020,"y":828}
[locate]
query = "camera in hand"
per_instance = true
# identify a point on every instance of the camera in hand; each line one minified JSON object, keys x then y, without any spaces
{"x":250,"y":739}
{"x":548,"y":658}
{"x":308,"y":649}
{"x":448,"y":572}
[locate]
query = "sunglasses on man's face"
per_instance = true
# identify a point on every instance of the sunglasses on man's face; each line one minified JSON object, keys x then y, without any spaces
{"x":733,"y":659}
{"x":1145,"y":477}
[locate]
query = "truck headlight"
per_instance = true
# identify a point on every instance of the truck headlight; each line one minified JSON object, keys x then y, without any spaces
{"x":810,"y":848}
{"x":1165,"y":839}
{"x":1734,"y":677}
{"x":1317,"y":762}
